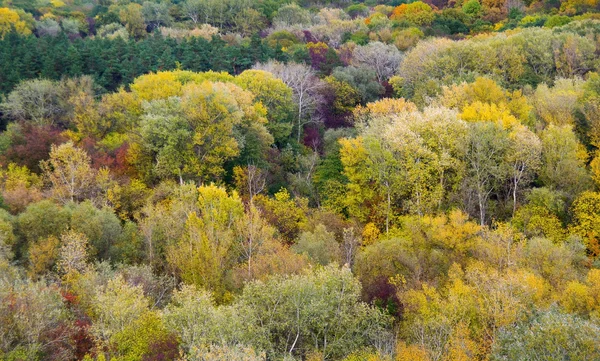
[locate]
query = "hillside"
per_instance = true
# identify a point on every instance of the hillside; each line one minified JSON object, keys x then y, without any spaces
{"x":211,"y":180}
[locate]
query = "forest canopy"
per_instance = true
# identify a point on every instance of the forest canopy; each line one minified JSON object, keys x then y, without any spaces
{"x":204,"y":180}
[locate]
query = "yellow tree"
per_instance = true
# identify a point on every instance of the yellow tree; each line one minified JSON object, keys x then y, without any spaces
{"x":10,"y":20}
{"x":275,"y":95}
{"x":131,"y":15}
{"x":206,"y":251}
{"x":191,"y":130}
{"x":69,"y":172}
{"x":214,"y":110}
{"x":586,"y":214}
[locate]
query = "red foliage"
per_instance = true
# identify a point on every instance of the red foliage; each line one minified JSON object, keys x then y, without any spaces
{"x":382,"y":293}
{"x":312,"y":137}
{"x":32,"y":145}
{"x":308,"y":37}
{"x":389,"y":90}
{"x":318,"y":54}
{"x":115,"y":160}
{"x":82,"y":338}
{"x":69,"y":298}
{"x":60,"y":338}
{"x":163,"y":350}
{"x":332,"y":117}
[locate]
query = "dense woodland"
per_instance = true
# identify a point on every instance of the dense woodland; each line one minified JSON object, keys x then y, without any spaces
{"x":207,"y":180}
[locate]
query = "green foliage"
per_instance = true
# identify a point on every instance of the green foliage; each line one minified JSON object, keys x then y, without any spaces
{"x":325,"y":309}
{"x":558,"y":336}
{"x":182,"y":180}
{"x":320,"y":246}
{"x":43,"y":219}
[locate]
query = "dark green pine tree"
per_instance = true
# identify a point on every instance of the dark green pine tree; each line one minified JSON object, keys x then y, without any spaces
{"x":75,"y":67}
{"x":219,"y":59}
{"x":202,"y":49}
{"x":166,"y":61}
{"x":30,"y":61}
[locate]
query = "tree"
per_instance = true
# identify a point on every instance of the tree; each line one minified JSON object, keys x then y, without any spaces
{"x":472,"y":8}
{"x":276,"y":96}
{"x":9,"y":21}
{"x":156,"y":14}
{"x":166,"y":135}
{"x":563,"y":161}
{"x":193,"y":10}
{"x":320,"y":246}
{"x":249,"y":21}
{"x":485,"y":91}
{"x":253,"y":237}
{"x":48,"y":27}
{"x":487,"y":170}
{"x":373,"y":173}
{"x":249,"y":182}
{"x":30,"y":144}
{"x":384,"y":59}
{"x":69,"y":172}
{"x":418,"y":13}
{"x":205,"y":252}
{"x":215,"y":111}
{"x":286,"y":214}
{"x":409,"y":161}
{"x":305,"y":86}
{"x":557,"y":105}
{"x":554,"y":334}
{"x":191,"y":130}
{"x":73,"y":254}
{"x":33,"y":319}
{"x":291,"y":14}
{"x":131,"y":15}
{"x":193,"y":315}
{"x":116,"y":306}
{"x":20,"y":187}
{"x":83,"y":110}
{"x":363,"y":79}
{"x":42,"y":256}
{"x":43,"y":219}
{"x":36,"y":101}
{"x":319,"y":311}
{"x":585,"y":222}
{"x":100,"y":226}
{"x":524,"y":155}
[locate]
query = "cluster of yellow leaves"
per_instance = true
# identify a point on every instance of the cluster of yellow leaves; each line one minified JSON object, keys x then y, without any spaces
{"x":458,"y":321}
{"x":486,"y":112}
{"x":485,"y":100}
{"x":383,"y":107}
{"x":583,"y":298}
{"x":19,"y":187}
{"x":418,"y":13}
{"x":586,"y":214}
{"x":9,"y":20}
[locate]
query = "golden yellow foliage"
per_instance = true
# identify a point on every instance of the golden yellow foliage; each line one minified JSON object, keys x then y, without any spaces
{"x":153,"y":86}
{"x":42,"y":256}
{"x":595,"y":168}
{"x":478,"y":111}
{"x":488,"y":92}
{"x":461,"y":347}
{"x":583,"y":298}
{"x":406,"y":352}
{"x":383,"y":107}
{"x":9,"y":20}
{"x":576,"y":298}
{"x":370,"y":234}
{"x":586,"y":212}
